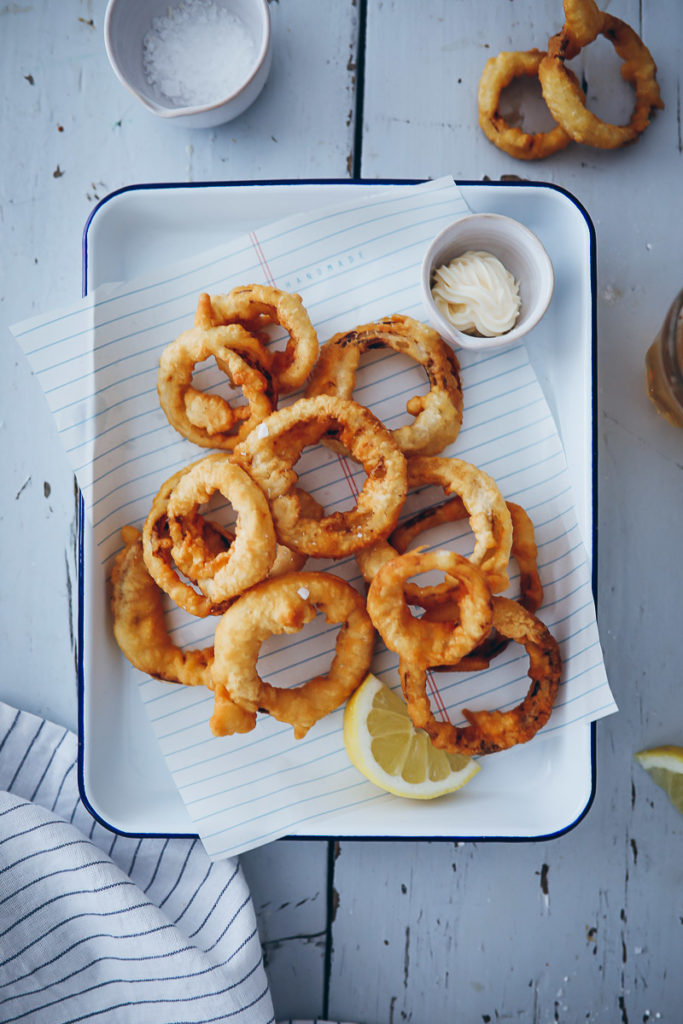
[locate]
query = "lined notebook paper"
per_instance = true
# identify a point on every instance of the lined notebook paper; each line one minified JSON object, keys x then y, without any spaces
{"x":97,"y":364}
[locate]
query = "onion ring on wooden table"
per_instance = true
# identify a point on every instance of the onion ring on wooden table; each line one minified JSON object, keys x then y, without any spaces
{"x":440,"y":607}
{"x":140,"y":630}
{"x":258,"y":304}
{"x":285,"y":605}
{"x":490,"y":731}
{"x":489,"y":517}
{"x":156,"y":550}
{"x":249,"y":558}
{"x":438,"y":414}
{"x":430,"y":643}
{"x":567,"y":103}
{"x":208,"y":419}
{"x":498,"y":73}
{"x":270,"y":453}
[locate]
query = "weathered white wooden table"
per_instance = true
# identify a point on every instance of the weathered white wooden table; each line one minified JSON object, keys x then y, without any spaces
{"x":588,"y":926}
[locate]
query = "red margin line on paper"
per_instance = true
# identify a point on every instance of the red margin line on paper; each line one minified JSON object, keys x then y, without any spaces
{"x":262,"y":258}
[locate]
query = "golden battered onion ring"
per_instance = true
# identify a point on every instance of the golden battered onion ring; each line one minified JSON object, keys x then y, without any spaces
{"x":140,"y":631}
{"x":567,"y":103}
{"x":208,"y":419}
{"x":583,"y":21}
{"x":286,"y":560}
{"x":489,"y":518}
{"x":156,"y":550}
{"x":249,"y":558}
{"x":498,"y":73}
{"x":491,"y":731}
{"x":440,"y":606}
{"x":269,"y":455}
{"x":430,"y":643}
{"x":285,"y":605}
{"x":262,"y":304}
{"x":438,"y":415}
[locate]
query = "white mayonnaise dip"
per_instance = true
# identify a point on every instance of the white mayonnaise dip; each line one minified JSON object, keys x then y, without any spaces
{"x":477,"y":294}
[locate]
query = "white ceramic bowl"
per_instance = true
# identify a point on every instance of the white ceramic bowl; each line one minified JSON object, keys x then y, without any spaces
{"x":128,"y":21}
{"x":520,"y":252}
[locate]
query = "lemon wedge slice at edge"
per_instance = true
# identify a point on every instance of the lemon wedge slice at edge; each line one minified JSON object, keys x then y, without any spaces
{"x":382,"y":743}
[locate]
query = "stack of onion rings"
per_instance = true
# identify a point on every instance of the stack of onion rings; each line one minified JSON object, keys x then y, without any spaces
{"x":565,"y":99}
{"x":423,"y":644}
{"x":439,"y":604}
{"x":498,"y":72}
{"x":491,"y":731}
{"x":251,"y":574}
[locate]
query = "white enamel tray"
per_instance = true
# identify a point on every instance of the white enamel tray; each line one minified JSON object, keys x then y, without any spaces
{"x":533,"y":792}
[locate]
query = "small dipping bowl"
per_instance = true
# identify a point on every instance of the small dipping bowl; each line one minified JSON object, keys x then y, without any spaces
{"x":520,"y":252}
{"x":126,"y":24}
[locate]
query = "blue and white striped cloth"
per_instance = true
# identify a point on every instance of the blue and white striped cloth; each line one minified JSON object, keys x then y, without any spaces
{"x":97,"y":926}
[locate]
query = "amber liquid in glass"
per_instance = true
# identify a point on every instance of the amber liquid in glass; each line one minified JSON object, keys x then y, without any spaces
{"x":664,"y":366}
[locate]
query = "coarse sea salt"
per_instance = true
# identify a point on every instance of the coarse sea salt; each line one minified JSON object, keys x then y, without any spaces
{"x":198,"y":54}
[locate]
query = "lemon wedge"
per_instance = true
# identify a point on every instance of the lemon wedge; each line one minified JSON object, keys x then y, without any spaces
{"x":383,"y":744}
{"x":665,"y":767}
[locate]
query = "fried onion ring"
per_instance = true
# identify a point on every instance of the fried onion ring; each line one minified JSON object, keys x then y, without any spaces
{"x":156,"y":550}
{"x":583,"y":21}
{"x":249,"y":558}
{"x":262,"y":304}
{"x":440,"y":606}
{"x":488,"y":514}
{"x":286,"y":560}
{"x":438,"y":415}
{"x":140,"y":631}
{"x":491,"y":731}
{"x":270,"y":458}
{"x":565,"y":100}
{"x":205,"y":419}
{"x":430,"y":643}
{"x":498,"y":73}
{"x":285,"y":605}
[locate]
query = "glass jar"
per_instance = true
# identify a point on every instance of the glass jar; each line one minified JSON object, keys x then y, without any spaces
{"x":664,"y":365}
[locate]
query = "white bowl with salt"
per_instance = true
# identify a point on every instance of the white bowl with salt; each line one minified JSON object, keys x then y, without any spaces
{"x":200,"y":62}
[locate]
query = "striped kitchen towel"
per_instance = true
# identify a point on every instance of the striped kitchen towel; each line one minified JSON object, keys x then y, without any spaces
{"x":98,"y":926}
